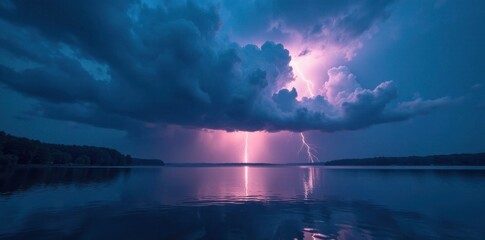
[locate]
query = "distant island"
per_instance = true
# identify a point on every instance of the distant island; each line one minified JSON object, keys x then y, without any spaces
{"x":471,"y":159}
{"x":23,"y":151}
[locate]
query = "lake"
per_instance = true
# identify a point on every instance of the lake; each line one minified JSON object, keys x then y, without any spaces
{"x":241,"y":203}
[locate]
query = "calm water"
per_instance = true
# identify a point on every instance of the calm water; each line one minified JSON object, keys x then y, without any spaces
{"x":241,"y":203}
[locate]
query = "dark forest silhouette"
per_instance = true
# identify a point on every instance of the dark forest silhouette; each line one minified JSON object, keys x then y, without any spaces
{"x":471,"y":159}
{"x":17,"y":150}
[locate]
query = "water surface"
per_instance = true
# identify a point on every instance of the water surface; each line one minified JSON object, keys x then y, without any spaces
{"x":241,"y":203}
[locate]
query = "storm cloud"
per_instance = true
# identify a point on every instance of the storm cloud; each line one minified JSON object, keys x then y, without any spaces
{"x":129,"y":65}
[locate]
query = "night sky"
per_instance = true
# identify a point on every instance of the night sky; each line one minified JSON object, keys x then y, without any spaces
{"x":184,"y":81}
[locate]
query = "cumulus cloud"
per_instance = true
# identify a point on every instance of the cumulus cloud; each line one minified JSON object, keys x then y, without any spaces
{"x":340,"y":86}
{"x":130,"y":66}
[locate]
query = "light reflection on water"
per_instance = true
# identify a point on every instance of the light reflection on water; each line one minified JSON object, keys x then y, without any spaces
{"x":241,"y":203}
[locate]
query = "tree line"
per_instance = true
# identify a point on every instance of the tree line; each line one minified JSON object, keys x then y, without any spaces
{"x":17,"y":150}
{"x":471,"y":159}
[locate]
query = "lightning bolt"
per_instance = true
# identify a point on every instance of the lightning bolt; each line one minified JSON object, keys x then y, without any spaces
{"x":309,"y":84}
{"x":311,"y":152}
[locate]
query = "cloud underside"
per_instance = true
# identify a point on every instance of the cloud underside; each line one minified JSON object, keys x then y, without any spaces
{"x":128,"y":66}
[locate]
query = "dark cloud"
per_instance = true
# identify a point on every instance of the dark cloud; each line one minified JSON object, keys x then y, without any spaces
{"x":171,"y":65}
{"x":334,"y":21}
{"x":285,"y":99}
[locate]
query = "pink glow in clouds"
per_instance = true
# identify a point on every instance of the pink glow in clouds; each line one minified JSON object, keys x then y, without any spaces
{"x":310,"y":62}
{"x":253,"y":147}
{"x":310,"y":69}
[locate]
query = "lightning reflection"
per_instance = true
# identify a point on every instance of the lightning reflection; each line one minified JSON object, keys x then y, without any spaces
{"x":246,"y":159}
{"x":310,"y":181}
